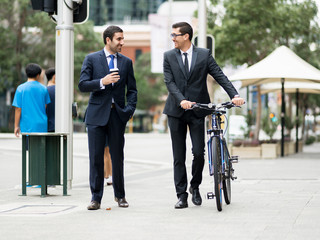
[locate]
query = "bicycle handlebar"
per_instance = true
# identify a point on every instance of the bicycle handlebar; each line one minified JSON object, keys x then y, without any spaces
{"x":212,"y":106}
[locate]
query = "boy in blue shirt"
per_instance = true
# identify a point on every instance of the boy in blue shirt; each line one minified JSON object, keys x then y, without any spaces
{"x":30,"y":102}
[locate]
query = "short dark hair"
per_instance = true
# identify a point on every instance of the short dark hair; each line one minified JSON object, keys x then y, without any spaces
{"x":33,"y":70}
{"x":50,"y":73}
{"x":109,"y":32}
{"x":184,"y":28}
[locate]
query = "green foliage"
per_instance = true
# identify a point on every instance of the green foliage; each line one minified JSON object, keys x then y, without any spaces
{"x":250,"y":121}
{"x":85,"y":42}
{"x":150,"y":85}
{"x":289,"y":123}
{"x":251,"y":29}
{"x":310,"y":140}
{"x":20,"y":42}
{"x":269,"y":126}
{"x":29,"y":36}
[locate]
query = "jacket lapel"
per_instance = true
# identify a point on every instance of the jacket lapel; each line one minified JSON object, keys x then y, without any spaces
{"x":104,"y":62}
{"x":179,"y":58}
{"x":119,"y":61}
{"x":194,"y":59}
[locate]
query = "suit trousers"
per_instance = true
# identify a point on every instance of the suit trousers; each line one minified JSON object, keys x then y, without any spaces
{"x":178,"y":130}
{"x":114,"y":129}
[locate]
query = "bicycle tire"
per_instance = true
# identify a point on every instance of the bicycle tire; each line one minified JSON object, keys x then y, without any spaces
{"x":217,"y":171}
{"x":227,"y":177}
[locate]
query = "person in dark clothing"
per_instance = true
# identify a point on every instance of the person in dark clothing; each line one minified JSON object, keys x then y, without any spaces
{"x":51,"y":76}
{"x":185,"y":74}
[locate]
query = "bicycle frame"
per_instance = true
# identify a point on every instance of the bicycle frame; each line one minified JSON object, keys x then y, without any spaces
{"x":220,"y":161}
{"x":216,"y":131}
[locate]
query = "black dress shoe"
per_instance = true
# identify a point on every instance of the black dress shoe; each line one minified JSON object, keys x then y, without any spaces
{"x":196,"y":197}
{"x":182,"y":203}
{"x":94,"y":205}
{"x":122,"y":202}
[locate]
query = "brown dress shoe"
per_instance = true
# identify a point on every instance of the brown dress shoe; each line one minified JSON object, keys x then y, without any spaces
{"x":122,"y":202}
{"x":94,"y":205}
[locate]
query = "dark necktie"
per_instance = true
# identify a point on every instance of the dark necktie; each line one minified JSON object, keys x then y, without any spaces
{"x":186,"y":63}
{"x":111,"y":63}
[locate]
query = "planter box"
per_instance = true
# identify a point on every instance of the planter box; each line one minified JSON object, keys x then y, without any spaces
{"x":246,"y":152}
{"x":289,"y":148}
{"x":270,"y":150}
{"x":300,"y":148}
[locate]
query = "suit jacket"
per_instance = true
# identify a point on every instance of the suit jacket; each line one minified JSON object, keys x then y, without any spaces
{"x":95,"y":67}
{"x":192,"y":87}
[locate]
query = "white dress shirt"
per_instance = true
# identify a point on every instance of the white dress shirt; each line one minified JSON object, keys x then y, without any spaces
{"x":115,"y":63}
{"x":189,"y":55}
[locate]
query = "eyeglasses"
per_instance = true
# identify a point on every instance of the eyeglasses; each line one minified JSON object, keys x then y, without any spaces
{"x":173,"y":35}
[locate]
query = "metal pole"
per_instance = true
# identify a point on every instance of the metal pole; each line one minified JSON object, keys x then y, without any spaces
{"x":169,"y":26}
{"x":283,"y":111}
{"x":297,"y":118}
{"x":64,"y":76}
{"x":202,"y":22}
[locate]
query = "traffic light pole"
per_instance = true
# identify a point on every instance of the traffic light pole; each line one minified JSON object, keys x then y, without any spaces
{"x":202,"y":18}
{"x":64,"y":78}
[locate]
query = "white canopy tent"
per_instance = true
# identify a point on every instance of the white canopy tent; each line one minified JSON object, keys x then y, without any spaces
{"x":281,"y":63}
{"x":281,"y":66}
{"x":291,"y":87}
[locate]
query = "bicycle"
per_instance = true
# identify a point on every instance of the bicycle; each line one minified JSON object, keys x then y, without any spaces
{"x":220,"y":161}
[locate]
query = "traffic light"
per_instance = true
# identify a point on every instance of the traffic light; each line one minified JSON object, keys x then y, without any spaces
{"x":81,"y":11}
{"x":210,"y":43}
{"x":80,"y":8}
{"x":49,"y":6}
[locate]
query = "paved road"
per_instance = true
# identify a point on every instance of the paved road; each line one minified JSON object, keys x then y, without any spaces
{"x":271,"y":199}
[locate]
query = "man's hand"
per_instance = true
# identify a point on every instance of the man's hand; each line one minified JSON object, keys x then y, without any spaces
{"x":17,"y":131}
{"x":238,"y":101}
{"x":111,"y":78}
{"x":185,"y":104}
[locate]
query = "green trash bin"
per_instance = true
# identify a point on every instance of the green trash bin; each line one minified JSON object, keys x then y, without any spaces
{"x":44,"y":151}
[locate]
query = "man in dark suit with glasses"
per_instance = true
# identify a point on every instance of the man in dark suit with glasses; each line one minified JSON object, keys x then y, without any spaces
{"x":185,"y":73}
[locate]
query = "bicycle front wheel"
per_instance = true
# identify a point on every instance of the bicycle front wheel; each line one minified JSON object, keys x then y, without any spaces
{"x":217,"y":171}
{"x":227,"y":176}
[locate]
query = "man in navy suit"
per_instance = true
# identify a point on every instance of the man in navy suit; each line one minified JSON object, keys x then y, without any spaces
{"x":185,"y":73}
{"x":112,"y":103}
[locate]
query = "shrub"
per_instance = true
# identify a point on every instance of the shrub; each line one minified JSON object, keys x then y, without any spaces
{"x":310,"y":140}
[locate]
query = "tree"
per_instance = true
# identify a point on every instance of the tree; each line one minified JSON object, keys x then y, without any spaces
{"x":29,"y":36}
{"x":251,"y":29}
{"x":26,"y":36}
{"x":85,"y":41}
{"x":150,"y":85}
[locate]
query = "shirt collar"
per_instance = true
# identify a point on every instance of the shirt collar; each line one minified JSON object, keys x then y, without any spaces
{"x":107,"y":53}
{"x":189,"y":51}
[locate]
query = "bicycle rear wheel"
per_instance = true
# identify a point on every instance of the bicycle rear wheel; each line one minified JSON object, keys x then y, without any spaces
{"x":217,"y":171}
{"x":227,"y":177}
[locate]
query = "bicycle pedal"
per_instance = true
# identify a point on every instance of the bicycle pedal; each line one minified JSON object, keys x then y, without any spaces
{"x":210,"y":195}
{"x":234,"y":178}
{"x":234,"y":159}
